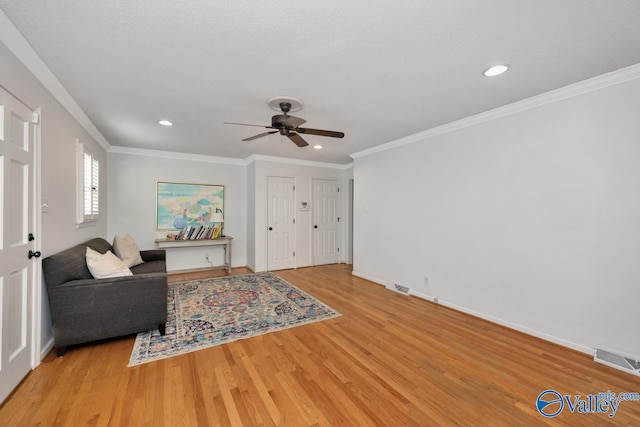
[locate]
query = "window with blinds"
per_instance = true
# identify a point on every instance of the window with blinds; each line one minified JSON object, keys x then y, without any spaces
{"x":88,"y":186}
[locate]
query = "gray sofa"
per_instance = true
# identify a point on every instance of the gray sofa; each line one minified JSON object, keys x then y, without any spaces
{"x":85,"y":309}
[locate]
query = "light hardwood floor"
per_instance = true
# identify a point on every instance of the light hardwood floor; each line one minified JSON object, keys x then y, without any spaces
{"x":389,"y":360}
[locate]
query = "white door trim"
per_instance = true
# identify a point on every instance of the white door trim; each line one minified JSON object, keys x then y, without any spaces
{"x":36,"y":338}
{"x":349,"y":221}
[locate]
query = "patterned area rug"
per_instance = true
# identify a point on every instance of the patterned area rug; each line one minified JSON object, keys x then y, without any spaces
{"x":204,"y":313}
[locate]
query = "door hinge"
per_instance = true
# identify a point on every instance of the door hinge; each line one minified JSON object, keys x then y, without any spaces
{"x":338,"y":249}
{"x":338,"y":189}
{"x":294,"y":188}
{"x":294,"y":253}
{"x":294,"y":220}
{"x":338,"y":219}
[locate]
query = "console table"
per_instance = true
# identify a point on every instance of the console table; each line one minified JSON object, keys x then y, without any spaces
{"x":225,"y":241}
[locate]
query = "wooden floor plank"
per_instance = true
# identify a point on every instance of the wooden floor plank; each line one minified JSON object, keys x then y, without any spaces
{"x":388,"y":360}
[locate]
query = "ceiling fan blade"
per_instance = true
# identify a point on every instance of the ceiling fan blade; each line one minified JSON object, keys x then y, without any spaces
{"x":251,"y":138}
{"x":247,"y":124}
{"x":297,"y":139}
{"x":330,"y":133}
{"x":294,"y":122}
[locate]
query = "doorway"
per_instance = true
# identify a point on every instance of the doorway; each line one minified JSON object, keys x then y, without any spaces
{"x":281,"y":223}
{"x":18,"y":255}
{"x":326,"y":218}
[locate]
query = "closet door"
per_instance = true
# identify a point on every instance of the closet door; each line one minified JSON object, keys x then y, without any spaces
{"x":281,"y":226}
{"x":325,"y":222}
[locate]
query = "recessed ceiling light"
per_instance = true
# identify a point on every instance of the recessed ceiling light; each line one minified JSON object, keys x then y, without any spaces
{"x":318,"y":147}
{"x":165,"y":123}
{"x":496,"y":70}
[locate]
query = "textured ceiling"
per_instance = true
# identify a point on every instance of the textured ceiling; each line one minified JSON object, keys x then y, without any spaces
{"x":377,"y":71}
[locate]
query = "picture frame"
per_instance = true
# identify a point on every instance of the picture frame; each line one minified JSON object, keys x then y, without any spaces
{"x":180,"y":205}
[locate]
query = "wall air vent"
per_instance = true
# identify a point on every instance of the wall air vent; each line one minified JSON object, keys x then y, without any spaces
{"x":618,"y":361}
{"x":398,"y":288}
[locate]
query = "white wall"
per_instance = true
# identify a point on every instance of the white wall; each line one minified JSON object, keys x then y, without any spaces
{"x":251,"y":216}
{"x":303,"y":176}
{"x":532,"y":219}
{"x":132,"y":200}
{"x":133,"y":174}
{"x":59,"y":131}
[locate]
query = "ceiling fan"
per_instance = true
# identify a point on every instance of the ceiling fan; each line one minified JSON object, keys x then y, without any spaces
{"x":288,"y":126}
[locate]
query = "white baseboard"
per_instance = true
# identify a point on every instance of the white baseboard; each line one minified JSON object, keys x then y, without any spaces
{"x":46,"y":348}
{"x":430,"y":298}
{"x":303,"y":266}
{"x":369,"y":278}
{"x":520,"y":328}
{"x":517,"y":327}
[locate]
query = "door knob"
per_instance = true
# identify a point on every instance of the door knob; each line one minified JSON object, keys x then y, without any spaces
{"x":270,"y":228}
{"x":34,"y":254}
{"x":30,"y":237}
{"x":315,"y":226}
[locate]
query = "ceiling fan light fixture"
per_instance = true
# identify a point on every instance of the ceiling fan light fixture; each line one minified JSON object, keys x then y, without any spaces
{"x":495,"y":70}
{"x":289,"y":126}
{"x":318,"y":147}
{"x":165,"y":123}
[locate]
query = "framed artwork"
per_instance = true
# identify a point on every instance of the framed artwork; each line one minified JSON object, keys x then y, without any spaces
{"x":180,"y":205}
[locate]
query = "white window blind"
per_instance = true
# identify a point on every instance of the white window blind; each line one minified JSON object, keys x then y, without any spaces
{"x":88,"y":186}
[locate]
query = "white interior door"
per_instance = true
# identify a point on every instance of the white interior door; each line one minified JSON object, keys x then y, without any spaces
{"x":16,"y":269}
{"x":350,"y":221}
{"x":326,"y":220}
{"x":281,"y":223}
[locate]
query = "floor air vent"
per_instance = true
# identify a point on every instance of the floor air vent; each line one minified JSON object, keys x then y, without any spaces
{"x":399,"y":288}
{"x":618,"y":361}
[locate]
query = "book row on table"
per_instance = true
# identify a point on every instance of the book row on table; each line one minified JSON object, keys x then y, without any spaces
{"x":199,"y":232}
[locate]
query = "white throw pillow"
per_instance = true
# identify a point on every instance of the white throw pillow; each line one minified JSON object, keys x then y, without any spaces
{"x":106,"y":265}
{"x":127,"y":250}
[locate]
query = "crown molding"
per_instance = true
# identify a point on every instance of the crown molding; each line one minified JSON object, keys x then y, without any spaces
{"x":18,"y":45}
{"x":595,"y":83}
{"x":117,"y":149}
{"x":258,"y":157}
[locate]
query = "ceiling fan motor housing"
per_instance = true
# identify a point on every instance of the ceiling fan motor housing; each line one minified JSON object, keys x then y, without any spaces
{"x":278,"y":121}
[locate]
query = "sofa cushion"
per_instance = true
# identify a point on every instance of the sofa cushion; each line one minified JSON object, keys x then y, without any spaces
{"x":149,"y":267}
{"x":71,"y":264}
{"x":106,"y":265}
{"x":127,"y":250}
